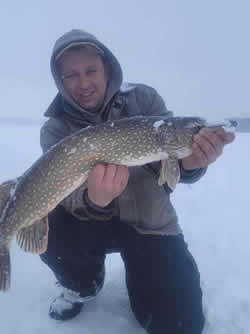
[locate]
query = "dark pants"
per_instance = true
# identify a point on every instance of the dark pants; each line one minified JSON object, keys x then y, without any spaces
{"x":161,"y":275}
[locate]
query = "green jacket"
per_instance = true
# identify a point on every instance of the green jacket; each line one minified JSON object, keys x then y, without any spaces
{"x":143,"y":204}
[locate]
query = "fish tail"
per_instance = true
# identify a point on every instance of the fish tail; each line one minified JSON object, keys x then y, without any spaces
{"x":5,"y":269}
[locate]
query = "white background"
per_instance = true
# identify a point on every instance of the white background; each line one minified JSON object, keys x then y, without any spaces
{"x":196,"y":53}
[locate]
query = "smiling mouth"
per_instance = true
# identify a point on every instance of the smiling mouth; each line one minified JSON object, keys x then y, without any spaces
{"x":86,"y":95}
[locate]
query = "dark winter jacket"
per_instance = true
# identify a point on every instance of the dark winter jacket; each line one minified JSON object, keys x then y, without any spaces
{"x":143,"y":204}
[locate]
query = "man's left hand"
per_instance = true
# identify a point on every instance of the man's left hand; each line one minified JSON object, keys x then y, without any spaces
{"x":207,"y":147}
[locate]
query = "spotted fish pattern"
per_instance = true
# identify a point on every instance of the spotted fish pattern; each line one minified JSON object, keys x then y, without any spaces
{"x":26,"y":201}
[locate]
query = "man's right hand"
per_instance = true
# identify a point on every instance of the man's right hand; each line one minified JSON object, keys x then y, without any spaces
{"x":106,"y":182}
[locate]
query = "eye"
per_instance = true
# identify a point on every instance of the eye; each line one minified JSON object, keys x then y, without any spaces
{"x":70,"y":76}
{"x":91,"y":70}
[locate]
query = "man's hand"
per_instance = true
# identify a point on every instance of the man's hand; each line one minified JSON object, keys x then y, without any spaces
{"x":106,"y":182}
{"x":207,"y":147}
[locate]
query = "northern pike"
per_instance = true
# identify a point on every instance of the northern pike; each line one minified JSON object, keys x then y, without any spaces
{"x":26,"y":201}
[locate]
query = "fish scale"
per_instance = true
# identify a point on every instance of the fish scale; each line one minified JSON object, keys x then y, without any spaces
{"x":61,"y":170}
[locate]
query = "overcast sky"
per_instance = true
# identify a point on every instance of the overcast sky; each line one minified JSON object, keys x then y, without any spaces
{"x":195,"y":53}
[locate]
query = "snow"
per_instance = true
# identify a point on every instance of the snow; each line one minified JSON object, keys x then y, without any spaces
{"x":72,"y":151}
{"x":214,"y":214}
{"x":60,"y":304}
{"x":157,"y":124}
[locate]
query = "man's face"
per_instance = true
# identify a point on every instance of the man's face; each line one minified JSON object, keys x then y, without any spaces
{"x":84,"y":77}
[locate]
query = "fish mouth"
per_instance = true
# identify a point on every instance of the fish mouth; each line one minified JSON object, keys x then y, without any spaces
{"x":197,"y":124}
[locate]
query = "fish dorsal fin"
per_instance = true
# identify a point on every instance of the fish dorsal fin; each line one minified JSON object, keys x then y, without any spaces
{"x":34,"y":238}
{"x":170,"y":172}
{"x":5,"y":192}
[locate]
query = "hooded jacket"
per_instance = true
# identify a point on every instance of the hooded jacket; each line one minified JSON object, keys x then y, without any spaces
{"x":143,"y":204}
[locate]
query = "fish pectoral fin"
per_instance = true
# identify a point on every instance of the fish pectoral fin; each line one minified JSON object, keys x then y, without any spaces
{"x":5,"y":189}
{"x":34,"y":238}
{"x":170,"y":172}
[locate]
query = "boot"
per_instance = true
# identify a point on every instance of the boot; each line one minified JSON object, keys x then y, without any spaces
{"x":66,"y":306}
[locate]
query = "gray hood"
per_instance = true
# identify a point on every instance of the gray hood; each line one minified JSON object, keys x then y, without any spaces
{"x":63,"y":100}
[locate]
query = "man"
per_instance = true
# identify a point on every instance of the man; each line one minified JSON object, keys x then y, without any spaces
{"x":120,"y":209}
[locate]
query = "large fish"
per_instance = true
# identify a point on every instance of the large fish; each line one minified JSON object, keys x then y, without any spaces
{"x":26,"y":202}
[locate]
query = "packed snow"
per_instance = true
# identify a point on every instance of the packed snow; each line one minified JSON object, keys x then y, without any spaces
{"x":157,"y":124}
{"x":214,"y":215}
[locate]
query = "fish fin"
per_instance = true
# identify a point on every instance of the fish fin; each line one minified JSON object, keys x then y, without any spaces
{"x":34,"y":238}
{"x":170,"y":172}
{"x":5,"y":189}
{"x":5,"y":269}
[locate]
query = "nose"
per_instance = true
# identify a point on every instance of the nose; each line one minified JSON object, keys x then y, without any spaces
{"x":83,"y":82}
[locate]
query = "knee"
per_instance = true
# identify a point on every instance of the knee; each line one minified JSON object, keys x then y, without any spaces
{"x":189,"y":322}
{"x":169,"y":312}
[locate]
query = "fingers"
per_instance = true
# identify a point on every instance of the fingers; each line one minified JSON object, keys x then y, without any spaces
{"x":199,"y":157}
{"x":116,"y":177}
{"x":105,"y":182}
{"x":121,"y":177}
{"x":226,"y":137}
{"x":110,"y":172}
{"x":98,"y":172}
{"x":210,"y":144}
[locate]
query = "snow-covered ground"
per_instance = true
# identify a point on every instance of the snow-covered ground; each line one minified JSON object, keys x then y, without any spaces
{"x":214,"y":214}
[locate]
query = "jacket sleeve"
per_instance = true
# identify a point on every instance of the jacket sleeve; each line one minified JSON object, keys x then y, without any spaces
{"x":154,"y":105}
{"x":77,"y":203}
